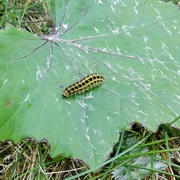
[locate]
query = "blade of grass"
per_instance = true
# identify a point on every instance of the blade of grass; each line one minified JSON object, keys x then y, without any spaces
{"x":112,"y":159}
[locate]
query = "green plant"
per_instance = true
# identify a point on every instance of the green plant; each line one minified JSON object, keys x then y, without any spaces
{"x":138,"y":56}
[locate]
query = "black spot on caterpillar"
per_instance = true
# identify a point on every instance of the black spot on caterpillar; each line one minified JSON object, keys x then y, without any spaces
{"x":83,"y":85}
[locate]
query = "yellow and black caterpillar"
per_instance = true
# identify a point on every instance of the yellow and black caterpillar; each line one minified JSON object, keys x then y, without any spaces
{"x":83,"y":85}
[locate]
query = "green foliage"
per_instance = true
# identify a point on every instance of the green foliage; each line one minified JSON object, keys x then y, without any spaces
{"x":134,"y":46}
{"x":24,"y":14}
{"x":173,"y":1}
{"x":137,"y":167}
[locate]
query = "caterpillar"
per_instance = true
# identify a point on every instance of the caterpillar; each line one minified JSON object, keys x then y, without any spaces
{"x":83,"y":85}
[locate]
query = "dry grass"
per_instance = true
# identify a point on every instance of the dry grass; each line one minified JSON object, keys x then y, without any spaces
{"x":31,"y":160}
{"x":29,"y":14}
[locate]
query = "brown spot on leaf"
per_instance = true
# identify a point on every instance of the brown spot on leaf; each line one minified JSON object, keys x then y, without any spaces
{"x":9,"y":103}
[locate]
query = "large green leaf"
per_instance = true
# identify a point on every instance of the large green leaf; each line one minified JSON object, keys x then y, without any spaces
{"x":133,"y":44}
